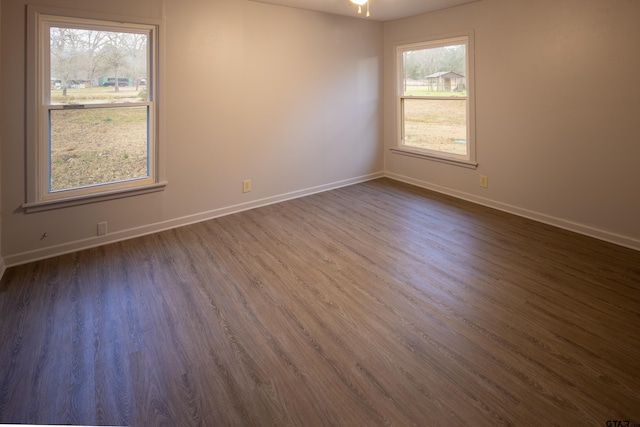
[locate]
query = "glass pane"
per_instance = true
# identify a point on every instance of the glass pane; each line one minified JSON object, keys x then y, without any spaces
{"x":95,"y":66}
{"x":97,"y":146}
{"x":438,"y":71}
{"x":439,"y":125}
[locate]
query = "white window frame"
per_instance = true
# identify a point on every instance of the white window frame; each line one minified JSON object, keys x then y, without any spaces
{"x":466,"y":38}
{"x":38,"y":194}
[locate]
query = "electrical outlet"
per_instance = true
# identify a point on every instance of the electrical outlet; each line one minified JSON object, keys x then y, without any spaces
{"x":102,"y":228}
{"x":246,"y":185}
{"x":484,"y":181}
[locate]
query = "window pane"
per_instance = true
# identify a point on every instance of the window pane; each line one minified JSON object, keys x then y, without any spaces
{"x":439,"y":125}
{"x":97,"y":146}
{"x":95,"y":66}
{"x":438,"y":71}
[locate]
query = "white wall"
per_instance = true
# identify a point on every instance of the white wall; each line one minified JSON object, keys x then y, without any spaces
{"x":557,"y":111}
{"x":290,"y":99}
{"x":293,"y":100}
{"x":2,"y":265}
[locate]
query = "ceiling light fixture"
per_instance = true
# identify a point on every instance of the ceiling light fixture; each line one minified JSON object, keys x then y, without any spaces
{"x":361,"y":3}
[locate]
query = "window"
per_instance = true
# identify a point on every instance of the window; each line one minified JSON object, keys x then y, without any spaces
{"x":92,"y":124}
{"x":435,"y":99}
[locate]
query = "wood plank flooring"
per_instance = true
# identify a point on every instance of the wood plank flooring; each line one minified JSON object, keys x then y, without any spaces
{"x":374,"y":304}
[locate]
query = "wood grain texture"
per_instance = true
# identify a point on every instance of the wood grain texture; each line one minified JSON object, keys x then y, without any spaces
{"x":374,"y":304}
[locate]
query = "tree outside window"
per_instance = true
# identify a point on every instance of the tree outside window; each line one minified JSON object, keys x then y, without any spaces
{"x":96,"y":114}
{"x":435,"y":99}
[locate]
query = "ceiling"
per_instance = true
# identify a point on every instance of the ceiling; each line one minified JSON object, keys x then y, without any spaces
{"x":381,"y":10}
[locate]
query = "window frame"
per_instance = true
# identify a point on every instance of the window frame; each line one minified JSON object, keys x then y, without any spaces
{"x":466,"y":38}
{"x":38,"y":195}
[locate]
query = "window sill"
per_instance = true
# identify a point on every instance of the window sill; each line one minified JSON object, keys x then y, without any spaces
{"x":421,"y":155}
{"x":92,"y":198}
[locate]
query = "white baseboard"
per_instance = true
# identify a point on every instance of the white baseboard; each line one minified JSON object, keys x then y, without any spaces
{"x":607,"y":236}
{"x":29,"y":256}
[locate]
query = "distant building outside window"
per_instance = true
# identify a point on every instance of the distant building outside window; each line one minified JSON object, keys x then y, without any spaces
{"x":93,"y":121}
{"x":435,"y":98}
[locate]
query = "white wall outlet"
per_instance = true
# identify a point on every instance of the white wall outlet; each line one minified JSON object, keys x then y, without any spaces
{"x":102,"y":228}
{"x":484,"y":181}
{"x":246,"y":185}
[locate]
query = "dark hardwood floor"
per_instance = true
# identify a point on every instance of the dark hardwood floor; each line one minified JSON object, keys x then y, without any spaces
{"x":374,"y":304}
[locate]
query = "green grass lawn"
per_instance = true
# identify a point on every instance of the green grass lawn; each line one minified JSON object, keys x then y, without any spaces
{"x":422,"y":91}
{"x":439,"y":125}
{"x":96,"y":146}
{"x":98,"y":94}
